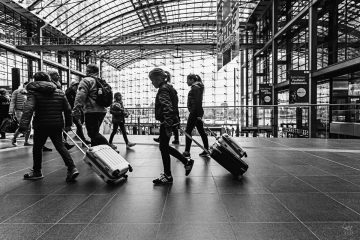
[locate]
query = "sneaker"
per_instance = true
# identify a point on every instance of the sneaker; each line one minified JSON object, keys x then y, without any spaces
{"x":32,"y":175}
{"x":186,"y":154}
{"x":156,"y":139}
{"x":72,"y":175}
{"x":188,"y":167}
{"x":176,"y":142}
{"x":68,"y":146}
{"x":46,"y":149}
{"x":13,"y":142}
{"x":27,"y":144}
{"x":163,"y":179}
{"x":130,"y":144}
{"x":204,"y":154}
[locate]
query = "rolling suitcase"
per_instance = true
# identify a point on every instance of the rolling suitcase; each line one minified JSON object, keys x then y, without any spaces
{"x":105,"y":161}
{"x":227,"y":153}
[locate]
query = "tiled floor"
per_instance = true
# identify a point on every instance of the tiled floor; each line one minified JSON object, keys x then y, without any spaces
{"x":295,"y":189}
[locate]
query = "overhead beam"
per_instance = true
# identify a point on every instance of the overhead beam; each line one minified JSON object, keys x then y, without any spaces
{"x":100,"y":47}
{"x":337,"y":69}
{"x":33,"y":5}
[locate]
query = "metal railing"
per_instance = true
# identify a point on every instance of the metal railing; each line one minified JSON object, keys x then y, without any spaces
{"x":328,"y":120}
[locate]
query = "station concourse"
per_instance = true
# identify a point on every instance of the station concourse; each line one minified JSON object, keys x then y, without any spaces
{"x":281,"y":77}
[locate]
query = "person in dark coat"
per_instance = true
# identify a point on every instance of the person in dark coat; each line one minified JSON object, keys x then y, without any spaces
{"x":194,"y":104}
{"x":167,"y":112}
{"x":48,"y":105}
{"x":118,"y":119}
{"x":4,"y":108}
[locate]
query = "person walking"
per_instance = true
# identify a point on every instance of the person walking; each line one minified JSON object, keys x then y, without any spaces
{"x":18,"y":99}
{"x":70,"y":94}
{"x":167,"y":112}
{"x":56,"y":79}
{"x":49,"y":107}
{"x":118,"y":119}
{"x":85,"y":101}
{"x":194,"y":104}
{"x":4,"y":108}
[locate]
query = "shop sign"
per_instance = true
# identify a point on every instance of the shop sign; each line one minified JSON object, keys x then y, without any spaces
{"x":299,"y":87}
{"x":265,"y":94}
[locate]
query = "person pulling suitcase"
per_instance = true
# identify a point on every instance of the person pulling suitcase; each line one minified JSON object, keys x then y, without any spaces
{"x":167,"y":112}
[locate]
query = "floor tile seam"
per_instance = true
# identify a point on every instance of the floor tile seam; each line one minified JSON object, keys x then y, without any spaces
{"x":162,"y":212}
{"x":316,"y":156}
{"x":50,"y":160}
{"x":324,"y":193}
{"x":41,"y":199}
{"x":64,"y":216}
{"x":296,"y":217}
{"x":11,"y":148}
{"x":105,"y":205}
{"x":224,"y":207}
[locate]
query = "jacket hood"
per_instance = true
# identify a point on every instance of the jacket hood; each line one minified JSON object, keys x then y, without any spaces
{"x":42,"y":87}
{"x":198,"y":85}
{"x":22,"y":91}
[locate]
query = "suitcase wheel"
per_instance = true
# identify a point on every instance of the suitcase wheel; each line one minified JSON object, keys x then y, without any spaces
{"x":130,"y":168}
{"x":126,"y":176}
{"x":109,"y":182}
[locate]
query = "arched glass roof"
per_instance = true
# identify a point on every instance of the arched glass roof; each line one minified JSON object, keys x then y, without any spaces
{"x":134,"y":22}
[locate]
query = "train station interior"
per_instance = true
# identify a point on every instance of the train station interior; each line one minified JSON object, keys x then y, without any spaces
{"x":281,"y":78}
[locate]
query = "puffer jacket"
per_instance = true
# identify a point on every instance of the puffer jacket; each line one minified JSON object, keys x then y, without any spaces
{"x":18,"y":98}
{"x":4,"y":107}
{"x":195,"y":98}
{"x":48,"y":104}
{"x":166,"y":105}
{"x":118,"y":112}
{"x":86,"y":95}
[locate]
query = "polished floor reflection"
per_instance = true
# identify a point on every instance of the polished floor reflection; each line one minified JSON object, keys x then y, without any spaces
{"x":299,"y":189}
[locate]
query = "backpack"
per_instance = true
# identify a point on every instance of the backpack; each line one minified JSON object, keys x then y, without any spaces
{"x":104,"y":95}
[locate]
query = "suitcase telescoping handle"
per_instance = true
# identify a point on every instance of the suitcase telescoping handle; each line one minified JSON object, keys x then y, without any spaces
{"x":197,"y":143}
{"x":77,"y":145}
{"x":212,"y":133}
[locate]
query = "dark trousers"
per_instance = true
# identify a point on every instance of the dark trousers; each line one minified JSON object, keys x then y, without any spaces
{"x":79,"y":130}
{"x":40,"y":137}
{"x":176,"y":134}
{"x":123,"y":131}
{"x":92,"y":123}
{"x":191,"y":124}
{"x":166,"y":151}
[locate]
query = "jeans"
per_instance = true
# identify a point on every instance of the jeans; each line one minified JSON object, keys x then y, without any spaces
{"x":191,"y":124}
{"x":92,"y":122}
{"x":123,"y":131}
{"x":166,"y":151}
{"x":40,"y":137}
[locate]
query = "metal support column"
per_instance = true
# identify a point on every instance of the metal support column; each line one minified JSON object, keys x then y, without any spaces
{"x":312,"y":68}
{"x":274,"y":49}
{"x":254,"y":86}
{"x":68,"y":64}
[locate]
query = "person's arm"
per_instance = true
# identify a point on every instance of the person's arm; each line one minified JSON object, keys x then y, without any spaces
{"x":12,"y":102}
{"x":28,"y":111}
{"x":166,"y":106}
{"x":81,"y":95}
{"x":67,"y":112}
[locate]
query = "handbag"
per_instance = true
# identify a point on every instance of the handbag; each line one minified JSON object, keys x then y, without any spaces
{"x":9,"y":125}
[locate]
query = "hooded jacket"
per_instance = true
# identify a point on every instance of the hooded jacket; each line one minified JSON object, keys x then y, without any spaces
{"x":86,"y":95}
{"x":118,"y":112}
{"x":166,"y":105}
{"x":195,"y":98}
{"x":48,"y":104}
{"x":18,"y":99}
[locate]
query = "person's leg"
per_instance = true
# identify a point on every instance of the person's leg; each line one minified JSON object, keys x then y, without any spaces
{"x":92,"y":123}
{"x":40,"y":136}
{"x":123,"y":131}
{"x":115,"y":128}
{"x":56,"y":138}
{"x":164,"y":149}
{"x":176,"y":135}
{"x":189,"y":127}
{"x":16,"y":134}
{"x":200,"y":127}
{"x":79,"y":130}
